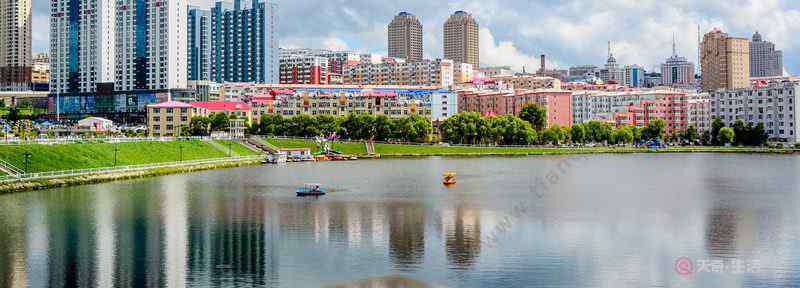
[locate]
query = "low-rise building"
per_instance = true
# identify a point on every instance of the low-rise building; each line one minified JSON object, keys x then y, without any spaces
{"x":166,"y":119}
{"x":773,"y":104}
{"x":678,"y":108}
{"x":529,"y":81}
{"x":341,"y":100}
{"x":558,"y":103}
{"x":463,"y":73}
{"x":489,"y":72}
{"x":437,"y":73}
{"x":240,"y":110}
{"x":96,"y":124}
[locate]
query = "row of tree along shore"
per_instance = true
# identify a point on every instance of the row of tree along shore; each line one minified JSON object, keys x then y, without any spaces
{"x":529,"y":128}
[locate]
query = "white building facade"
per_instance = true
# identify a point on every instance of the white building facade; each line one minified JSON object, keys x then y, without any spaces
{"x":115,"y":56}
{"x":774,"y":105}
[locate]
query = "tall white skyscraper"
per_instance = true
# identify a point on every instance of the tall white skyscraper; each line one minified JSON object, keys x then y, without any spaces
{"x":115,"y":56}
{"x":15,"y":50}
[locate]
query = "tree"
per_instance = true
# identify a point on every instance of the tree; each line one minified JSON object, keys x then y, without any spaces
{"x":726,"y":136}
{"x":598,"y":132}
{"x":198,"y":126}
{"x":655,"y":129}
{"x":327,"y":124}
{"x":716,"y":125}
{"x":578,"y":134}
{"x":303,"y":126}
{"x":386,"y":128}
{"x":509,"y":130}
{"x":623,"y":135}
{"x":272,"y":124}
{"x":742,"y":133}
{"x":534,"y":114}
{"x":759,"y":136}
{"x":690,"y":135}
{"x":466,"y":128}
{"x":219,"y":121}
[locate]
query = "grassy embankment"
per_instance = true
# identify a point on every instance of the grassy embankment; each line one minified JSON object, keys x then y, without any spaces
{"x":396,"y":150}
{"x":96,"y":155}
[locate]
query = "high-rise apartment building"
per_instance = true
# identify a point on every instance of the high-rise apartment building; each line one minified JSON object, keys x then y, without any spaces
{"x":725,"y":61}
{"x":677,"y":71}
{"x":291,"y":61}
{"x":461,"y":40}
{"x":117,"y":57}
{"x":765,"y":61}
{"x":199,"y":44}
{"x":405,"y":37}
{"x":15,"y":50}
{"x":244,"y":42}
{"x":304,"y":69}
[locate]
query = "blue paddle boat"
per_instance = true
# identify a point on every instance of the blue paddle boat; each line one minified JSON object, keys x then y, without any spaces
{"x":311,"y":189}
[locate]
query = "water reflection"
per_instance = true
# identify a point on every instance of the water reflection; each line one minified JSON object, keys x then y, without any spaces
{"x":189,"y":230}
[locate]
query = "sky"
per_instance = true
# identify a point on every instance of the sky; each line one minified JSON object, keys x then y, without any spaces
{"x":514,"y":32}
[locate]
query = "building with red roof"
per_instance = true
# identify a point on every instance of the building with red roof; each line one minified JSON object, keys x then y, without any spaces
{"x":231,"y":108}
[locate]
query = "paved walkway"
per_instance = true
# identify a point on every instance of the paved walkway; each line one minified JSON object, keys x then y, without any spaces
{"x":223,"y":148}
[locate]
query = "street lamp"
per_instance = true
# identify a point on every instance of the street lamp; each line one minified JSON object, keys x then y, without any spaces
{"x":180,"y":148}
{"x":27,"y":156}
{"x":115,"y":154}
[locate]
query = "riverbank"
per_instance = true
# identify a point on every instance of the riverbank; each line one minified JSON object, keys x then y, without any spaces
{"x":400,"y":150}
{"x":59,"y":157}
{"x":55,"y":182}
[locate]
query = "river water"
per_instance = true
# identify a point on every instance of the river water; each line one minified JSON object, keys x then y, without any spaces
{"x":667,"y":220}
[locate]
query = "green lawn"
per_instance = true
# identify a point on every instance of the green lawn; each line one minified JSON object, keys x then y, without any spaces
{"x":95,"y":155}
{"x":345,"y":148}
{"x":237,"y":148}
{"x":425,"y":150}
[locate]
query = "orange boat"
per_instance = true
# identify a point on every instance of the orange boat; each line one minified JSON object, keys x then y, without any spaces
{"x":449,"y":178}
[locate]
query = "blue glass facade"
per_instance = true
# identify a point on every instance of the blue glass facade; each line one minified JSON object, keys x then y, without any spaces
{"x":73,"y":72}
{"x":199,"y":44}
{"x":243,"y":43}
{"x":140,"y":64}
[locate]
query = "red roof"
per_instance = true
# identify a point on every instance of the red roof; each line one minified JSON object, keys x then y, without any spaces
{"x":170,"y":104}
{"x":223,"y":105}
{"x":282,"y":92}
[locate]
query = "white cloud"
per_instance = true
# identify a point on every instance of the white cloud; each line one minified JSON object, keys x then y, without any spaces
{"x":335,"y":44}
{"x":504,"y":53}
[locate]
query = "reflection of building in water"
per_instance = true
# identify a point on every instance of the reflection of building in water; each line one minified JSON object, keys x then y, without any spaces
{"x":406,"y":233}
{"x":463,"y":236}
{"x":12,"y":245}
{"x":37,"y":243}
{"x":105,"y":239}
{"x":71,"y":241}
{"x":173,"y":215}
{"x":230,"y":242}
{"x":139,"y":238}
{"x":729,"y":231}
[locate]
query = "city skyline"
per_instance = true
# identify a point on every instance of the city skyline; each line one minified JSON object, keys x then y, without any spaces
{"x":507,"y":38}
